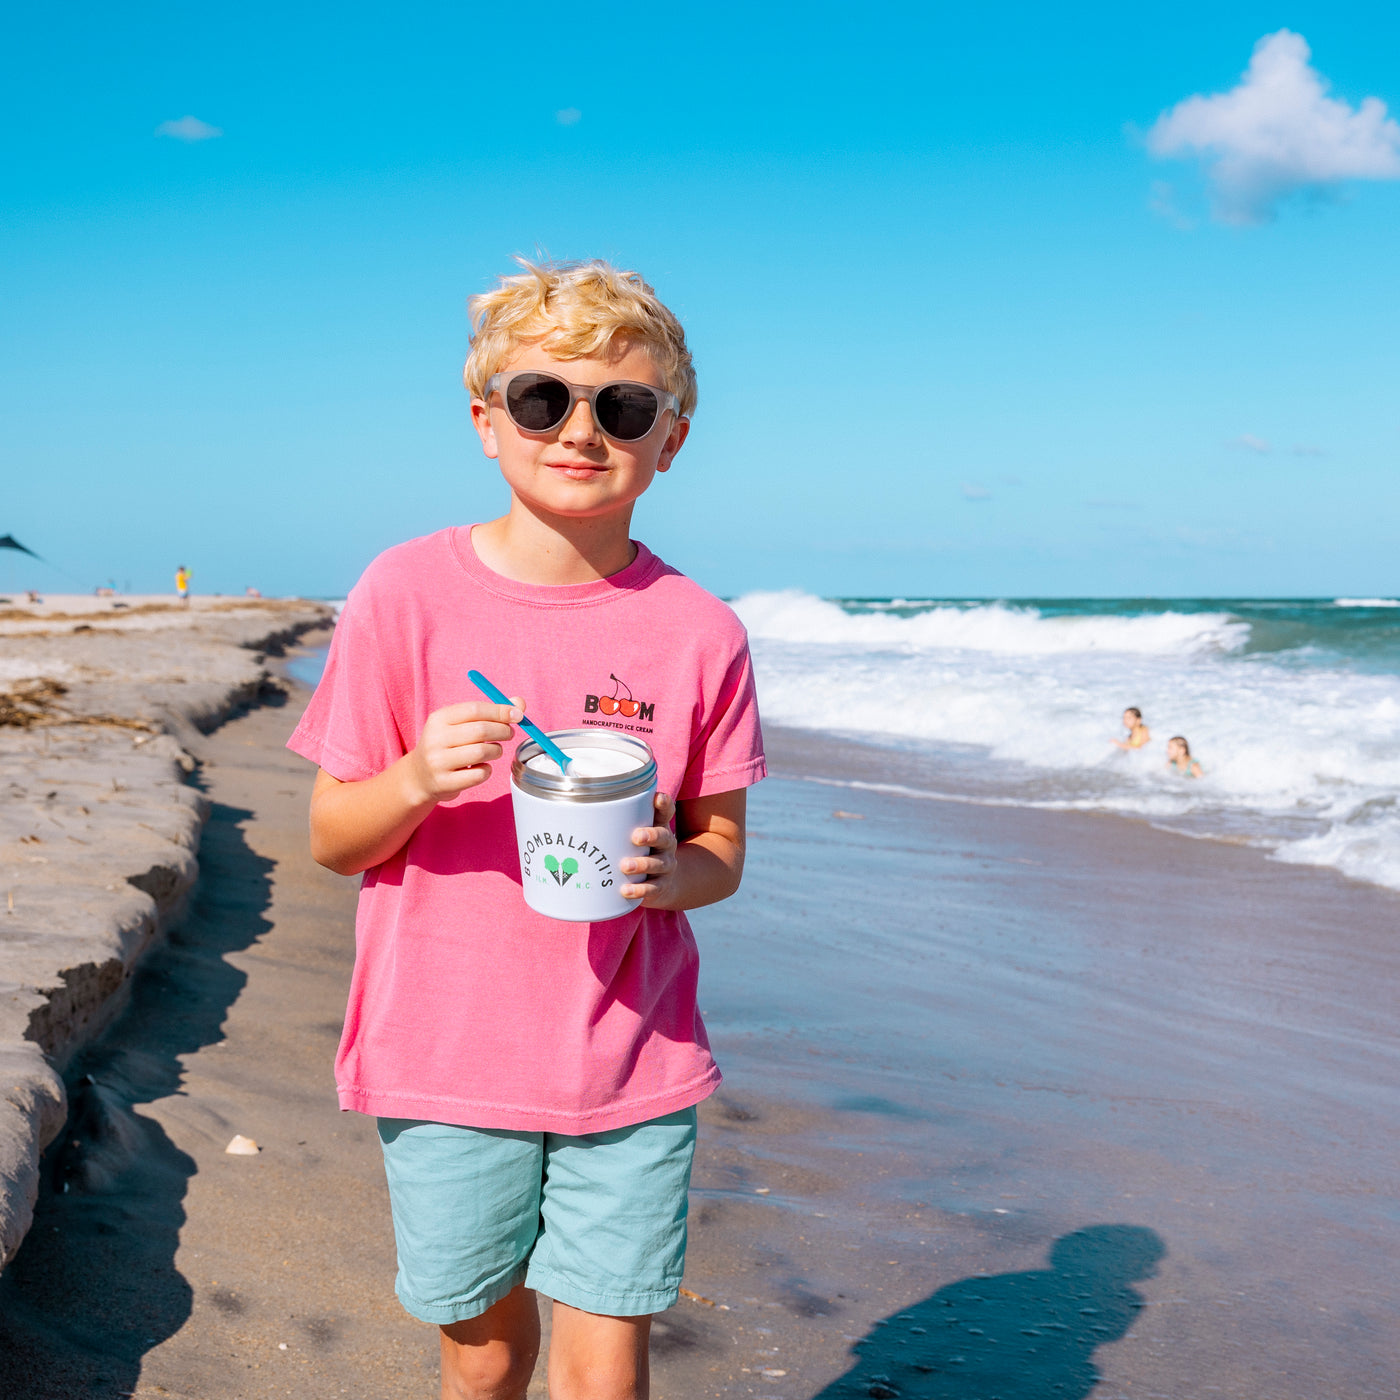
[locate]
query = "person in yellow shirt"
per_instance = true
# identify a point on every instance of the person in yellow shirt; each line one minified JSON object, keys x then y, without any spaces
{"x":1138,"y":732}
{"x":182,"y":583}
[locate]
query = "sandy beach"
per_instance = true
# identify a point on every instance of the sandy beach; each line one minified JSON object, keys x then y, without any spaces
{"x":1017,"y":1104}
{"x":104,"y":703}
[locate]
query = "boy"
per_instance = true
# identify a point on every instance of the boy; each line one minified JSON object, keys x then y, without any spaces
{"x":535,"y":1081}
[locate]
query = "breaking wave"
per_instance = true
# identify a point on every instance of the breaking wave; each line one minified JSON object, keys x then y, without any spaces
{"x":1299,"y":737}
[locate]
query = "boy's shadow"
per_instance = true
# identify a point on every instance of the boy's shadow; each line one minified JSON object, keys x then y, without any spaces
{"x":1026,"y":1336}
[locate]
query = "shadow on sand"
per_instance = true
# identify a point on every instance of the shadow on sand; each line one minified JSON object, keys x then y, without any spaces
{"x":1026,"y":1336}
{"x":94,"y":1285}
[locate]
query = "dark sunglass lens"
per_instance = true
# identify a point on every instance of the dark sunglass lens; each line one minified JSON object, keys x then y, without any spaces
{"x":537,"y":402}
{"x":626,"y":411}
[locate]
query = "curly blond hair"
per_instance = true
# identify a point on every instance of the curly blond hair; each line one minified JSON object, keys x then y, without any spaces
{"x":573,"y":310}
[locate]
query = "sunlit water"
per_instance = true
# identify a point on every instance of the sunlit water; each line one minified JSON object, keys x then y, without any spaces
{"x":1292,"y":708}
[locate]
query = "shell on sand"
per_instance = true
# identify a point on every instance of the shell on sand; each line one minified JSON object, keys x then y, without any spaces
{"x":241,"y":1146}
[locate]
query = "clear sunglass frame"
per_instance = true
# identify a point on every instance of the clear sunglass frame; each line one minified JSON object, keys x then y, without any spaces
{"x":500,"y":383}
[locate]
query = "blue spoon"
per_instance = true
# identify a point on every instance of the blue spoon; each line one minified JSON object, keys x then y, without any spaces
{"x":491,"y":692}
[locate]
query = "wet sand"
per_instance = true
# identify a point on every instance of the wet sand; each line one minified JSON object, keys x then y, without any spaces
{"x":1017,"y":1104}
{"x":997,"y":1028}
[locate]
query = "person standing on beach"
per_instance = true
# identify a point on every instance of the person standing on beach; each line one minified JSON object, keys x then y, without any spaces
{"x":182,"y":583}
{"x":534,"y":1081}
{"x":1138,"y":732}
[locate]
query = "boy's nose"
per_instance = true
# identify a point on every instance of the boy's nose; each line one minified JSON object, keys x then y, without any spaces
{"x":580,"y":426}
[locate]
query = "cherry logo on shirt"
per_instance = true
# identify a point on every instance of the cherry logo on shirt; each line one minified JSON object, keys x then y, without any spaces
{"x":628,"y":707}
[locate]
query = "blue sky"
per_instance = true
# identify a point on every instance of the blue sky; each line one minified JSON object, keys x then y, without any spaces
{"x":966,"y":322}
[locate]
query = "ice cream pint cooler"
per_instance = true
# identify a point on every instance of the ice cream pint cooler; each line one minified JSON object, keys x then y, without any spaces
{"x":573,"y":833}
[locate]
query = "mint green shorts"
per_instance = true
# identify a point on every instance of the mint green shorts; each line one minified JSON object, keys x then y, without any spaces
{"x":597,"y":1222}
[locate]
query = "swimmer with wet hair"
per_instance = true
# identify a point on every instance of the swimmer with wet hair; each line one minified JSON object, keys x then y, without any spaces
{"x":1138,"y":732}
{"x":1179,"y":758}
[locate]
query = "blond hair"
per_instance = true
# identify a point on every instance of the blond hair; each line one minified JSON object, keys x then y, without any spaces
{"x":573,"y":310}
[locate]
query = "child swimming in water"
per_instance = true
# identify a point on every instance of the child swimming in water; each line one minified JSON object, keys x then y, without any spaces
{"x":1179,"y":758}
{"x":1138,"y":732}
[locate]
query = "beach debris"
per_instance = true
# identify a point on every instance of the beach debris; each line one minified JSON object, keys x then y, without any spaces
{"x":240,"y":1146}
{"x":849,"y":816}
{"x":700,"y":1298}
{"x":761,"y":1190}
{"x":772,"y":1372}
{"x":30,"y":701}
{"x":34,"y":702}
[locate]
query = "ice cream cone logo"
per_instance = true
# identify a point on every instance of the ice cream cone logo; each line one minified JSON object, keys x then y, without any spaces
{"x":618,"y":703}
{"x":562,"y":873}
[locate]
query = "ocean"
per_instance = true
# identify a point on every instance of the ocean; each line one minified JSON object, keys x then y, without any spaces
{"x":1291,"y":706}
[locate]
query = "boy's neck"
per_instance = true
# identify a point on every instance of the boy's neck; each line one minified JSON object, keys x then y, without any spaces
{"x":555,"y":550}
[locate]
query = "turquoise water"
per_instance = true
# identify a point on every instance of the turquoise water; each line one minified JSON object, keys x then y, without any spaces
{"x":1362,"y":632}
{"x":305,"y":667}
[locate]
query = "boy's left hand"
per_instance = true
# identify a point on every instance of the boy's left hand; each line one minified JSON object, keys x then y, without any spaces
{"x":659,"y":867}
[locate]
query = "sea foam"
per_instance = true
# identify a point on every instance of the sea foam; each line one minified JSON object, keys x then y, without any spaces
{"x":1301,"y":749}
{"x":792,"y":616}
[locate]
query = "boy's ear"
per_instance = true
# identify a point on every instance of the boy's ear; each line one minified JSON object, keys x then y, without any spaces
{"x":675,"y":439}
{"x":481,"y":421}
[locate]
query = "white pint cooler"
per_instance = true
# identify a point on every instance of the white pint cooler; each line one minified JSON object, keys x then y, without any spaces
{"x":574,"y":832}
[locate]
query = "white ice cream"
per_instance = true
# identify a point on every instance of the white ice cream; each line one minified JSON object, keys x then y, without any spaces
{"x":589,"y":763}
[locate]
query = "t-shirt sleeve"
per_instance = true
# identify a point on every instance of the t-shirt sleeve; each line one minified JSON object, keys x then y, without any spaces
{"x":727,"y":753}
{"x":350,"y":728}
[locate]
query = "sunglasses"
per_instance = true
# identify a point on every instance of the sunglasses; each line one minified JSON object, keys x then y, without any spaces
{"x":538,"y":403}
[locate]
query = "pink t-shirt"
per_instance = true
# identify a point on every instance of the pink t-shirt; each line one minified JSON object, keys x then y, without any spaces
{"x":465,"y":1005}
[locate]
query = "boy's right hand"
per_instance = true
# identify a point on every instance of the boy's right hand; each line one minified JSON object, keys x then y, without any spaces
{"x":458,"y":745}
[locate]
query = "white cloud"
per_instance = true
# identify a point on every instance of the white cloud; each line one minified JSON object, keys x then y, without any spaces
{"x":1247,"y":442}
{"x":568,"y":116}
{"x":189,"y":129}
{"x":1278,"y":133}
{"x":1308,"y":449}
{"x":973,"y":492}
